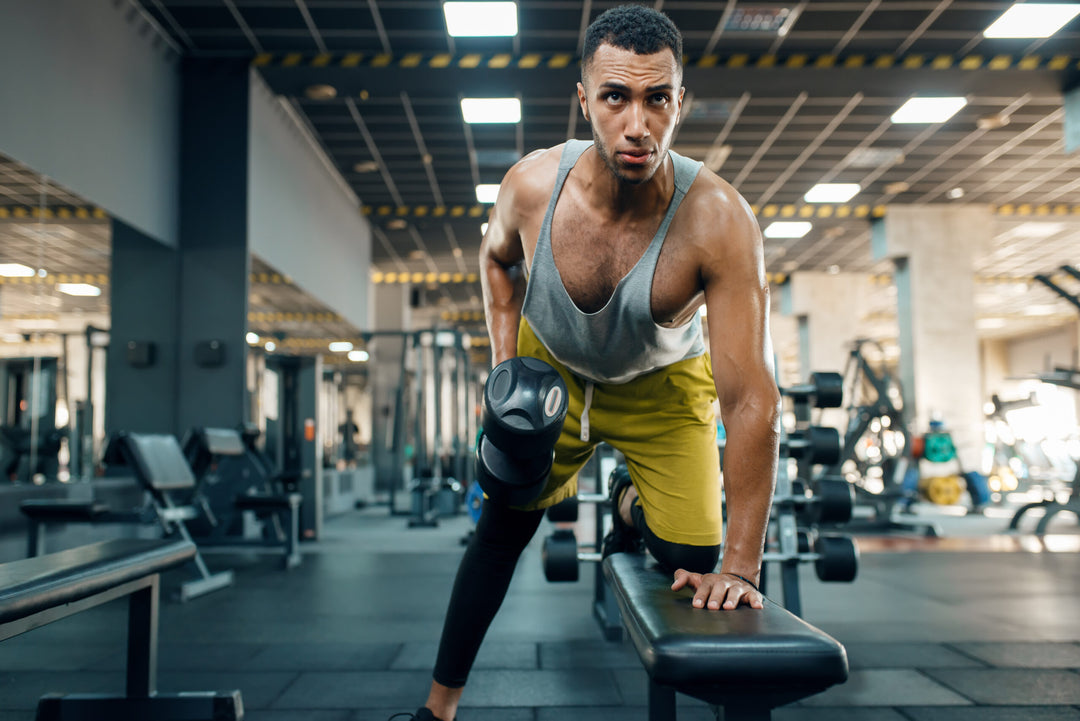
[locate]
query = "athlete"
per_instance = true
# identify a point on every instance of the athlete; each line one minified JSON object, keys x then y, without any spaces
{"x":597,"y":259}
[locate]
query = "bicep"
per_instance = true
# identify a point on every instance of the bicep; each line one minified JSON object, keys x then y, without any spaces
{"x":502,"y":241}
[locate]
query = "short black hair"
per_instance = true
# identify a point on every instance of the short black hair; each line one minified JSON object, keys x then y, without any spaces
{"x":632,"y":27}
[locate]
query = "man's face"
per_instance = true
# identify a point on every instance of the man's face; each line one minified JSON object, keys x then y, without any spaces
{"x":632,"y":103}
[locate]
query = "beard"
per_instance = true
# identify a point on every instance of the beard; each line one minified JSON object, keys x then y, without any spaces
{"x":609,"y":161}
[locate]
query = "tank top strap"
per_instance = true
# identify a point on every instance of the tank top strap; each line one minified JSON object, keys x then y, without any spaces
{"x":572,"y":150}
{"x":686,"y":171}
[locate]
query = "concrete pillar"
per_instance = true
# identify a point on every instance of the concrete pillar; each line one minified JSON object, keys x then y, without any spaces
{"x":214,"y":255}
{"x":140,"y":380}
{"x":933,"y":249}
{"x":828,"y":308}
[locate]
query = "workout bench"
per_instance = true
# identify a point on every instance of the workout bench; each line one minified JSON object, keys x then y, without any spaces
{"x":748,"y":661}
{"x":161,"y":469}
{"x":37,"y":591}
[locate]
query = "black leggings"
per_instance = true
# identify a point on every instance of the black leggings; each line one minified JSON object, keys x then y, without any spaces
{"x":484,"y":575}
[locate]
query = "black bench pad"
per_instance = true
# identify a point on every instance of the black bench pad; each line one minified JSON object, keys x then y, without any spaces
{"x":720,"y":656}
{"x":35,"y":584}
{"x":58,"y":509}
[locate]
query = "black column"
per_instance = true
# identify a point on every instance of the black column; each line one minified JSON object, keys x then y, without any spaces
{"x":140,"y":378}
{"x":213,"y":244}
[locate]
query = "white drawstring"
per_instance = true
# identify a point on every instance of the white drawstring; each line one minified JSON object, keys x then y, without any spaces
{"x":585,"y":411}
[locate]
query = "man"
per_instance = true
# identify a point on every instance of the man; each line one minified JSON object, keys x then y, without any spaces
{"x":622,"y":242}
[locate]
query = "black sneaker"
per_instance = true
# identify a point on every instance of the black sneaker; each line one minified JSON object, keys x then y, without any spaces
{"x":422,"y":714}
{"x":622,"y":538}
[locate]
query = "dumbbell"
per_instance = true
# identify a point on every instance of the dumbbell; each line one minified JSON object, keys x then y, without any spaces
{"x":561,"y":558}
{"x":824,"y":390}
{"x":829,"y":500}
{"x":819,"y":445}
{"x":835,"y":556}
{"x":522,"y":415}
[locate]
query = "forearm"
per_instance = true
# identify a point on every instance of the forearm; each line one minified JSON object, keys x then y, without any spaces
{"x":504,"y":292}
{"x":750,"y":457}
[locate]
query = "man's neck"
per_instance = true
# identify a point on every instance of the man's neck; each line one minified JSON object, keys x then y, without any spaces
{"x":625,"y":200}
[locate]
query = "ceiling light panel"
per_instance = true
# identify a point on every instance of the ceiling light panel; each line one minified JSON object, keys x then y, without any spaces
{"x":1032,"y":20}
{"x":928,"y":110}
{"x":481,"y":19}
{"x":788,"y":229}
{"x":832,"y":193}
{"x":491,"y":110}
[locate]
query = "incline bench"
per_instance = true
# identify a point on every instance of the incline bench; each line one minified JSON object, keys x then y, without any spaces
{"x":40,"y":590}
{"x":161,"y":469}
{"x":748,"y":661}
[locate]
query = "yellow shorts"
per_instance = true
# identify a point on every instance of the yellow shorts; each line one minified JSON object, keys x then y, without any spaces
{"x":663,"y":422}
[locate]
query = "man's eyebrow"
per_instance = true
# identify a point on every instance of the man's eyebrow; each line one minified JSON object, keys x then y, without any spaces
{"x":626,"y":88}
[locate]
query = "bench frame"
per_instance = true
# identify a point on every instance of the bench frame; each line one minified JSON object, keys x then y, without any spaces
{"x":141,"y":699}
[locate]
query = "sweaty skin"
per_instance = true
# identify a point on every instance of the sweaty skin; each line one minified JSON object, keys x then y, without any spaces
{"x":609,"y":209}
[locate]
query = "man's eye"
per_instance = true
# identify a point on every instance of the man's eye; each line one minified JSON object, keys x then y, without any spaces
{"x":659,"y":99}
{"x":613,"y":96}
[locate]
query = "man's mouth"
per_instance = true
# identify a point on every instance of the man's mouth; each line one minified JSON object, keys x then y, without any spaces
{"x":634,"y":157}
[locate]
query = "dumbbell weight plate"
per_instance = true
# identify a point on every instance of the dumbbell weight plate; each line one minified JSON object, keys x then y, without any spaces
{"x":524,"y":406}
{"x":560,"y":556}
{"x":565,"y":511}
{"x":829,"y":389}
{"x":838,"y":558}
{"x":834,"y":501}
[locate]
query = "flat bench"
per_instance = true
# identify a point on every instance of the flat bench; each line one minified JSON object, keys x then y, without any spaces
{"x":748,"y":661}
{"x":37,"y":591}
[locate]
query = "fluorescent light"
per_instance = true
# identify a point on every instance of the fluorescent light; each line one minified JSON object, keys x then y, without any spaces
{"x":252,"y":338}
{"x":1041,"y":310}
{"x":83,"y":289}
{"x":1032,"y":20}
{"x":989,"y":323}
{"x":270,"y":346}
{"x":832,"y":193}
{"x":928,"y":110}
{"x":491,"y":110}
{"x":340,"y":346}
{"x":788,"y":229}
{"x":480,"y":19}
{"x":487,"y":193}
{"x":358,"y":355}
{"x":16,"y":270}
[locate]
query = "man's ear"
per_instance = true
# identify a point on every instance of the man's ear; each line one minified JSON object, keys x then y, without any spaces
{"x":583,"y":100}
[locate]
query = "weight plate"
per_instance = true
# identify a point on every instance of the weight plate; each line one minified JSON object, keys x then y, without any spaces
{"x":559,"y":557}
{"x":838,"y":558}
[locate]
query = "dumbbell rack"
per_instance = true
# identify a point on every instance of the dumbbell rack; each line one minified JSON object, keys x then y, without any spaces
{"x":835,"y":556}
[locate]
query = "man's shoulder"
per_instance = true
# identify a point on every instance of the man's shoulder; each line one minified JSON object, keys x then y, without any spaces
{"x":712,"y":199}
{"x":532,"y":178}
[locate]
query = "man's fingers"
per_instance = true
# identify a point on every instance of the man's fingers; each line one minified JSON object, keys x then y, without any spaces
{"x":716,"y":596}
{"x":682,"y":577}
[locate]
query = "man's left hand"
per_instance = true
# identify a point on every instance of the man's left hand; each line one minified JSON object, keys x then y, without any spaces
{"x":716,"y":591}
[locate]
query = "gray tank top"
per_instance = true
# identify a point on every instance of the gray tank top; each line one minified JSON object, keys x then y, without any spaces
{"x":620,"y":341}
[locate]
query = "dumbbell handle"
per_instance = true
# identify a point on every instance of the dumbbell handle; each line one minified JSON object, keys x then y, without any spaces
{"x":592,"y":498}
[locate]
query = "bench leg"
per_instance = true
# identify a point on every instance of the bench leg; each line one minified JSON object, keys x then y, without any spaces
{"x":142,"y":641}
{"x":292,"y":538}
{"x":35,"y":538}
{"x":661,"y":702}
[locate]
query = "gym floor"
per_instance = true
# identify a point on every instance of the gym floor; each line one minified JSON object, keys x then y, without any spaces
{"x":973,"y":626}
